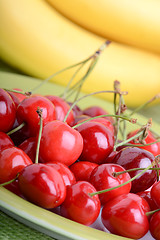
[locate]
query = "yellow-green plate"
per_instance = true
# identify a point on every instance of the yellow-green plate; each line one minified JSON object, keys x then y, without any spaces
{"x":32,"y":215}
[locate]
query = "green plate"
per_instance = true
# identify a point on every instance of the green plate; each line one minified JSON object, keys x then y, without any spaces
{"x":33,"y":216}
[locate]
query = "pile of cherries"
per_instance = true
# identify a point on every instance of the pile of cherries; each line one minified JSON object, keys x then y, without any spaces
{"x":71,"y":166}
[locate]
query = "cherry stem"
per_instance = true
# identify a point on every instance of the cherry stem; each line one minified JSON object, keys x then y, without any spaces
{"x":10,"y":181}
{"x":128,"y":140}
{"x":39,"y":111}
{"x":16,"y":129}
{"x":102,"y":47}
{"x":132,"y":120}
{"x":115,"y":174}
{"x":152,"y":212}
{"x":120,"y":185}
{"x":145,"y":104}
{"x":141,"y":145}
{"x":17,"y":91}
{"x":87,"y":95}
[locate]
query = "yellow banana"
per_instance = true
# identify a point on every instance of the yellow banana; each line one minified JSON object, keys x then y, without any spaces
{"x":136,"y":23}
{"x":36,"y":39}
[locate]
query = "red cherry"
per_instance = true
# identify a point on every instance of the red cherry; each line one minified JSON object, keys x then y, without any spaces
{"x":13,"y":187}
{"x":29,"y":147}
{"x":102,"y":177}
{"x":147,"y":196}
{"x":133,"y":157}
{"x":154,"y":225}
{"x":61,"y":108}
{"x":78,"y":205}
{"x":155,"y":193}
{"x":153,"y":148}
{"x":65,"y":172}
{"x":7,"y":111}
{"x":82,"y":170}
{"x":20,"y":96}
{"x":60,"y":142}
{"x":12,"y":161}
{"x":125,"y":215}
{"x":98,"y":142}
{"x":94,"y":111}
{"x":26,"y":112}
{"x":110,"y":158}
{"x":14,"y":98}
{"x":42,"y":185}
{"x":5,"y":141}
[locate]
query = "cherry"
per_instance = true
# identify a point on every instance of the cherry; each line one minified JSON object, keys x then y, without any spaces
{"x":13,"y":187}
{"x":76,"y":109}
{"x":78,"y":205}
{"x":27,"y":112}
{"x":20,"y":96}
{"x":61,"y":108}
{"x":154,"y":225}
{"x":155,"y":193}
{"x":7,"y":111}
{"x":42,"y":185}
{"x":14,"y":98}
{"x":5,"y":141}
{"x":12,"y":161}
{"x":153,"y":148}
{"x":29,"y":147}
{"x":60,"y":142}
{"x":82,"y":170}
{"x":65,"y":172}
{"x":147,"y":196}
{"x":94,"y":111}
{"x":125,"y":215}
{"x":110,"y":158}
{"x":133,"y":157}
{"x":102,"y":177}
{"x":98,"y":142}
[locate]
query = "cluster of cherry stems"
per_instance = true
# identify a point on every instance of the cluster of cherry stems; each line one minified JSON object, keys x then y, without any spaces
{"x":66,"y":159}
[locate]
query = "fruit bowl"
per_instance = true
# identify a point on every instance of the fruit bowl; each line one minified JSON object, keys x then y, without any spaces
{"x":41,"y":219}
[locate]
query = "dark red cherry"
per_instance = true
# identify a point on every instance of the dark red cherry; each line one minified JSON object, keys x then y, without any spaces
{"x":94,"y":111}
{"x":82,"y":170}
{"x":27,"y":112}
{"x":7,"y":111}
{"x":29,"y":147}
{"x":12,"y":161}
{"x":61,"y":108}
{"x":134,"y":157}
{"x":98,"y":142}
{"x":125,"y":215}
{"x":5,"y":141}
{"x":153,"y":148}
{"x":43,"y":185}
{"x":78,"y":205}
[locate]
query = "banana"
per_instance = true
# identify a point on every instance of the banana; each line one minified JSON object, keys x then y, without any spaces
{"x":39,"y":41}
{"x":136,"y":23}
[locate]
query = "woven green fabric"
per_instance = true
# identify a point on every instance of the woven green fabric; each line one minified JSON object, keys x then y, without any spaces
{"x":10,"y":229}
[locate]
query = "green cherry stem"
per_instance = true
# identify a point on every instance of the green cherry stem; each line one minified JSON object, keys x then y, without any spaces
{"x":17,"y":91}
{"x":115,"y":174}
{"x":10,"y":181}
{"x":132,"y":120}
{"x":39,"y":112}
{"x":102,"y":47}
{"x":16,"y":129}
{"x":152,"y":212}
{"x":90,"y":94}
{"x":130,"y":180}
{"x":145,"y":104}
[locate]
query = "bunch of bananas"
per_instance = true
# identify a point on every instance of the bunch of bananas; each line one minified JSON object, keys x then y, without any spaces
{"x":40,"y":37}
